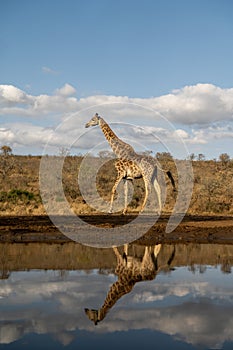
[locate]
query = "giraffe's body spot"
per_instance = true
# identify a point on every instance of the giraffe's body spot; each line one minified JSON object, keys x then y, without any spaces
{"x":128,"y":168}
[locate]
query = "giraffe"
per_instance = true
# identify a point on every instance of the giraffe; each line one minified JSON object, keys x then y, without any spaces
{"x":130,"y":270}
{"x":130,"y":165}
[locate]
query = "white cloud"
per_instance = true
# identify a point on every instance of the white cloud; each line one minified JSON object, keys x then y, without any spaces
{"x":210,"y":134}
{"x":198,"y":104}
{"x":25,"y":134}
{"x":197,"y":312}
{"x":9,"y":333}
{"x":66,"y":90}
{"x":11,"y":95}
{"x":199,"y":115}
{"x":6,"y":136}
{"x":181,"y":133}
{"x":48,"y":70}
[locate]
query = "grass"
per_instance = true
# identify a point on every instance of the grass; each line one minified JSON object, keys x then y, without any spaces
{"x":20,"y":192}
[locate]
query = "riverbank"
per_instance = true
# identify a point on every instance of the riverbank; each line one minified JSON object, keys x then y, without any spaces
{"x":192,"y":229}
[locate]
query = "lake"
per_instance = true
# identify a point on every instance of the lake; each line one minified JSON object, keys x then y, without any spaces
{"x":70,"y":296}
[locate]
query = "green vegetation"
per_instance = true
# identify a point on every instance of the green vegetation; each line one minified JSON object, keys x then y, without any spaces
{"x":20,"y":193}
{"x":15,"y":195}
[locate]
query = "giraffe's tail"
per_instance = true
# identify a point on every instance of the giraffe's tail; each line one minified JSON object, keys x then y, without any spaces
{"x":169,"y":174}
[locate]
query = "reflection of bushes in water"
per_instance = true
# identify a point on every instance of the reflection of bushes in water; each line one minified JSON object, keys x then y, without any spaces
{"x":4,"y":275}
{"x":15,"y":195}
{"x":194,"y":268}
{"x":74,"y":256}
{"x":226,"y":266}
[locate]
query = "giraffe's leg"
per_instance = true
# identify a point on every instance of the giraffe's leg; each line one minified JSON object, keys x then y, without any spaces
{"x":146,"y":182}
{"x":118,"y":180}
{"x":126,"y":195}
{"x":146,"y":260}
{"x":157,"y":250}
{"x":147,"y":190}
{"x":120,"y":259}
{"x":126,"y":246}
{"x":116,"y":251}
{"x":158,"y":192}
{"x":125,"y":254}
{"x":146,"y":253}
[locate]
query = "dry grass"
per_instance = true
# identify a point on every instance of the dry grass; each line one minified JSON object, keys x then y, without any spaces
{"x":20,"y":193}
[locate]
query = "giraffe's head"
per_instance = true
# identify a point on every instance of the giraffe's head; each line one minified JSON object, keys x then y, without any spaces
{"x":94,"y":121}
{"x":93,"y":315}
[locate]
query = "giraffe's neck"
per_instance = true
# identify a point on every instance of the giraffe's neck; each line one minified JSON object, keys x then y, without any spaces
{"x":119,"y":147}
{"x":117,"y":290}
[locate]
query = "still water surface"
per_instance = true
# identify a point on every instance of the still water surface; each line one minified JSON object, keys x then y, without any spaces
{"x":162,"y":297}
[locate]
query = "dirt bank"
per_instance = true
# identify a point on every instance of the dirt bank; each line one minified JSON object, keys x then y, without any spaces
{"x":196,"y":229}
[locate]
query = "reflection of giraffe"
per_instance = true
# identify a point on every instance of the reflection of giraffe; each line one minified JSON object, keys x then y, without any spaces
{"x":130,"y":165}
{"x":129,"y":270}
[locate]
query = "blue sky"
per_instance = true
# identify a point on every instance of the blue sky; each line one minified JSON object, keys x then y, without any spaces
{"x":167,"y":55}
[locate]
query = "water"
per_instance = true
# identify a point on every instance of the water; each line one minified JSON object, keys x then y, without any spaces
{"x":167,"y":297}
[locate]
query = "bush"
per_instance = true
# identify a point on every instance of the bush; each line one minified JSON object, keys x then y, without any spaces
{"x":15,"y":195}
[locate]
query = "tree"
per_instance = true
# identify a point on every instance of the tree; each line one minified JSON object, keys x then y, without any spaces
{"x":106,"y":154}
{"x":64,"y":152}
{"x":146,"y":153}
{"x":6,"y":150}
{"x":164,"y":156}
{"x":6,"y":162}
{"x":224,"y":158}
{"x":201,"y":156}
{"x":192,"y":156}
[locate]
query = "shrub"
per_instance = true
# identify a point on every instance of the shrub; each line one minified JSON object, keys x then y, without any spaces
{"x":15,"y":195}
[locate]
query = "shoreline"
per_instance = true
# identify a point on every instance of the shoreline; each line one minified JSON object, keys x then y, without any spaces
{"x":192,"y":229}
